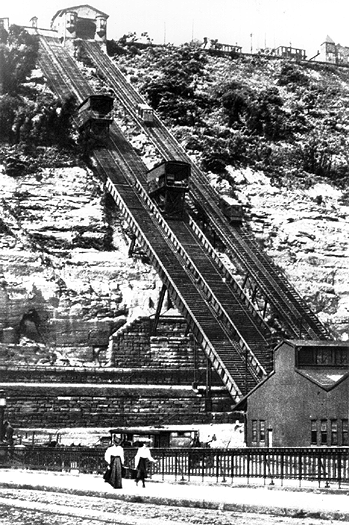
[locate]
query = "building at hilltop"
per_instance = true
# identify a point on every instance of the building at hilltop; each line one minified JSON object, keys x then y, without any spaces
{"x":333,"y":53}
{"x":81,"y":21}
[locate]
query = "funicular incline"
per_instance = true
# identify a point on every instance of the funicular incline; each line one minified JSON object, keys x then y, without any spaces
{"x":263,"y":278}
{"x":118,"y":164}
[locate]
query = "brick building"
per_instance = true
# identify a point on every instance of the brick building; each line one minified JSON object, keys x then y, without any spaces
{"x":305,"y":401}
{"x":333,"y":53}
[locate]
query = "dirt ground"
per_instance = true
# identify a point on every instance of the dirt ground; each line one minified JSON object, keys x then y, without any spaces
{"x":21,"y":507}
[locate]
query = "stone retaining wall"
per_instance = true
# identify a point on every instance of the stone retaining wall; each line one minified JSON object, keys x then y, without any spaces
{"x":134,"y":346}
{"x":93,"y":406}
{"x":125,"y":376}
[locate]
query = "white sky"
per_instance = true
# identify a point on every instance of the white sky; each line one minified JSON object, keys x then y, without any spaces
{"x":303,"y":23}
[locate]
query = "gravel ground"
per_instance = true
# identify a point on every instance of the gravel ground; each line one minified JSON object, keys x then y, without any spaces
{"x":23,"y":507}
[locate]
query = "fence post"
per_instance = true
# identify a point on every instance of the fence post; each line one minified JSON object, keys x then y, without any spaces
{"x":217,"y":466}
{"x":163,"y":465}
{"x":318,"y":468}
{"x":182,"y":478}
{"x":339,"y":475}
{"x":176,"y":465}
{"x":300,"y":464}
{"x":271,"y":462}
{"x":224,"y":459}
{"x":248,"y":467}
{"x":232,"y":466}
{"x":264,"y":466}
{"x":203,"y":465}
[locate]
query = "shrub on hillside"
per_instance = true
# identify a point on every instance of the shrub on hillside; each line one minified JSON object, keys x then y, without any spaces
{"x":8,"y":109}
{"x":255,"y":112}
{"x":219,"y":152}
{"x":17,"y":59}
{"x":45,"y":121}
{"x":325,"y":154}
{"x":173,"y":93}
{"x":291,"y":75}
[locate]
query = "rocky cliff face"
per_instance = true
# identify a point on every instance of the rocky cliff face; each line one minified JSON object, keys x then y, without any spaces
{"x":304,"y":228}
{"x":67,"y":282}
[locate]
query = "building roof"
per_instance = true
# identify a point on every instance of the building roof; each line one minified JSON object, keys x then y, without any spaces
{"x":327,"y":378}
{"x":75,"y":7}
{"x":323,"y":342}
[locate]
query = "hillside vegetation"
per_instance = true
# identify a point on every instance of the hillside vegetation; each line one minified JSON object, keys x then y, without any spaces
{"x":270,"y":132}
{"x":278,"y":116}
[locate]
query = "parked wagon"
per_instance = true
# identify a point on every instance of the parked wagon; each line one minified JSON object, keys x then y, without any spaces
{"x":169,"y":437}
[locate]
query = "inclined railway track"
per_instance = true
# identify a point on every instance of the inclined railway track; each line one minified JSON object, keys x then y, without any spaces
{"x":239,"y":243}
{"x":203,"y":304}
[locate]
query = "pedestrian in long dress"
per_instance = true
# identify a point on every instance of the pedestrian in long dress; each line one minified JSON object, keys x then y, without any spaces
{"x":143,"y":455}
{"x":114,"y":456}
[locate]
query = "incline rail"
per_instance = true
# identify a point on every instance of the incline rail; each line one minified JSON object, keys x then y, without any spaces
{"x":255,"y":370}
{"x":176,"y":295}
{"x":327,"y":465}
{"x":271,"y":282}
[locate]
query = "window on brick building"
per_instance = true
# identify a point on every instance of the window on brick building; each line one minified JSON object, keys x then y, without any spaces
{"x":345,"y":441}
{"x":313,"y":436}
{"x":323,"y":432}
{"x":254,"y":431}
{"x":334,"y":432}
{"x":262,"y":432}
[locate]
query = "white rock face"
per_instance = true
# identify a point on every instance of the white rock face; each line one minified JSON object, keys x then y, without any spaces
{"x":61,"y":255}
{"x":64,"y":254}
{"x":306,"y":232}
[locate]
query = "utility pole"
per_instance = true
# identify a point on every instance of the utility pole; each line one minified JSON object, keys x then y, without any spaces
{"x":251,"y":35}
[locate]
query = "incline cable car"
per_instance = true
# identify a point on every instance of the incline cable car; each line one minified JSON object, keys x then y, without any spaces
{"x":146,"y":113}
{"x":231,"y":208}
{"x":94,"y":115}
{"x":167,"y":185}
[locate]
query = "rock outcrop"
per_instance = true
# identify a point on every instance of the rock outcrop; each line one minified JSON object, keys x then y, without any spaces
{"x":67,"y":282}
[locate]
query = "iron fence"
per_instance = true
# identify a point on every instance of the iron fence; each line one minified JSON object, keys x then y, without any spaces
{"x":300,"y":464}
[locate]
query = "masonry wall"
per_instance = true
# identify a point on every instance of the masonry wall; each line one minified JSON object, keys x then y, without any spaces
{"x":107,"y":406}
{"x":134,"y":346}
{"x":150,"y":383}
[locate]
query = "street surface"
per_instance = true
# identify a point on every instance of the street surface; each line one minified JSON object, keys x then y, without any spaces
{"x":34,"y":507}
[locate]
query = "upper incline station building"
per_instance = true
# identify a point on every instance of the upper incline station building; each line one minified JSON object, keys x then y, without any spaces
{"x":81,"y":21}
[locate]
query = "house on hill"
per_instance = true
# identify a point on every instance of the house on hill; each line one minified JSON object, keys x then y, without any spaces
{"x":333,"y":53}
{"x":304,"y":402}
{"x":81,"y":21}
{"x":293,"y":53}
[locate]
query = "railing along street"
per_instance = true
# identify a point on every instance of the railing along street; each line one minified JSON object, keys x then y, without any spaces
{"x":327,"y":465}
